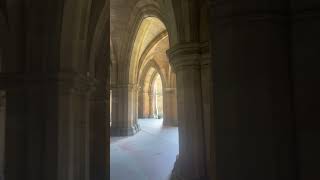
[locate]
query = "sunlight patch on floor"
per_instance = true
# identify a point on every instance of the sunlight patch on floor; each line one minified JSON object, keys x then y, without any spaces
{"x":149,"y":155}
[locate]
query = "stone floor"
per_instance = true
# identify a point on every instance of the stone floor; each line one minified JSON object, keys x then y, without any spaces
{"x":149,"y":155}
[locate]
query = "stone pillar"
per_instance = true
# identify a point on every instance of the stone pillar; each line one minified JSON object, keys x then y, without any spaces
{"x":191,"y":163}
{"x":110,"y":107}
{"x":67,"y":149}
{"x":2,"y":132}
{"x":146,"y":105}
{"x":99,"y":137}
{"x":15,"y":143}
{"x":152,"y":104}
{"x":253,"y":126}
{"x":207,"y":99}
{"x":140,"y":104}
{"x":306,"y":77}
{"x":170,"y":107}
{"x":47,"y":127}
{"x":125,"y":110}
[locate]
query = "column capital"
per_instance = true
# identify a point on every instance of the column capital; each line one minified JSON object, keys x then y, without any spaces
{"x":205,"y":54}
{"x":185,"y":54}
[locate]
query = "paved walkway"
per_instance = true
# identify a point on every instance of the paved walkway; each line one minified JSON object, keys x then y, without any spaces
{"x":149,"y":155}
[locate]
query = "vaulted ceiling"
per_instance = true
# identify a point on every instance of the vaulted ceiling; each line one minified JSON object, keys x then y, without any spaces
{"x":120,"y":13}
{"x":121,"y":18}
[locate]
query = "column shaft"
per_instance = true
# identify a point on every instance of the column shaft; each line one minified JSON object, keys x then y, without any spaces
{"x":67,"y":149}
{"x":47,"y":132}
{"x":2,"y":131}
{"x":145,"y":105}
{"x":99,"y":137}
{"x":191,"y":163}
{"x":170,"y":107}
{"x":125,"y":110}
{"x":207,"y":100}
{"x":305,"y":75}
{"x":15,"y":143}
{"x":253,"y":128}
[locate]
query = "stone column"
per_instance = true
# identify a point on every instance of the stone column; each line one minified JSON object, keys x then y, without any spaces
{"x":67,"y":143}
{"x":2,"y":132}
{"x":170,"y":107}
{"x":306,"y":77}
{"x":140,"y":104}
{"x":207,"y":99}
{"x":47,"y":127}
{"x":110,"y":107}
{"x":99,"y":137}
{"x":125,"y":110}
{"x":252,"y":123}
{"x":152,"y":104}
{"x":15,"y":143}
{"x":146,"y":105}
{"x":191,"y":163}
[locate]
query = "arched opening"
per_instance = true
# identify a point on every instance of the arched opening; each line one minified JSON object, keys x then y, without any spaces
{"x":150,"y":100}
{"x":143,"y":87}
{"x":158,"y":97}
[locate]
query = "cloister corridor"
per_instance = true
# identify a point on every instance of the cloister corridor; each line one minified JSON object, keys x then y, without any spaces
{"x":143,"y":101}
{"x":159,"y":89}
{"x":149,"y":155}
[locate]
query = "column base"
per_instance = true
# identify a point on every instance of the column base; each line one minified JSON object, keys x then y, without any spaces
{"x":120,"y":131}
{"x":170,"y":122}
{"x":177,"y":175}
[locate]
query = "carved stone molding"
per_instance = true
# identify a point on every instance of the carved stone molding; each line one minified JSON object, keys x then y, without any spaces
{"x":65,"y":81}
{"x":184,"y":55}
{"x":205,"y":54}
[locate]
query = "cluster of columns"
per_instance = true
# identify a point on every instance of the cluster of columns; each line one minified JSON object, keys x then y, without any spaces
{"x":146,"y":104}
{"x":125,"y":110}
{"x":55,"y":106}
{"x":2,"y":132}
{"x":265,"y":124}
{"x":190,"y":66}
{"x":49,"y":131}
{"x":262,"y":124}
{"x":170,"y":117}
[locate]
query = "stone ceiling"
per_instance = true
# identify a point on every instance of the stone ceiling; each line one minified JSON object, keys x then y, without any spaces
{"x":121,"y":12}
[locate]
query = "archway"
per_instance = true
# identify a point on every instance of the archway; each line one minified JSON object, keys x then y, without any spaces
{"x":150,"y":101}
{"x":145,"y":96}
{"x":147,"y":47}
{"x":158,"y":97}
{"x":143,"y":83}
{"x":152,"y":60}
